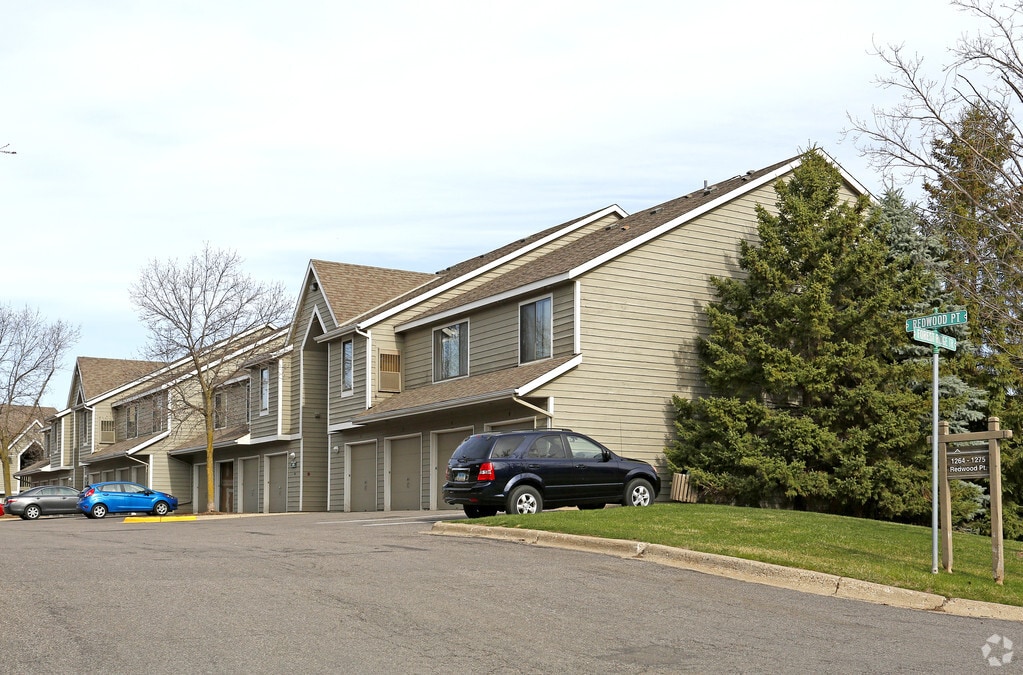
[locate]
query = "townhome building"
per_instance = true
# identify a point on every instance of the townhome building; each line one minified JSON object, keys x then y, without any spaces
{"x":23,"y":426}
{"x":591,"y":325}
{"x":87,"y":425}
{"x":358,"y":404}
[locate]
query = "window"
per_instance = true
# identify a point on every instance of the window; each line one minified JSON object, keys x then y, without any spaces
{"x":347,"y":367}
{"x":158,"y":414}
{"x":248,"y":401}
{"x":535,"y":340}
{"x":219,"y":412}
{"x":451,"y":351}
{"x":584,"y":448}
{"x":264,"y":390}
{"x":132,"y":421}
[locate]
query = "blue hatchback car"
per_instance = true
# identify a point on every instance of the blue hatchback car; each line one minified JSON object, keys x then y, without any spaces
{"x":99,"y":499}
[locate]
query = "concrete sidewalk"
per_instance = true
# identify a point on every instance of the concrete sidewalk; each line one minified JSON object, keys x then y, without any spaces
{"x":744,"y":570}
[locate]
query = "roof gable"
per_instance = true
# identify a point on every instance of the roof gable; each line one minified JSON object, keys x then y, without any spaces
{"x":97,"y":376}
{"x":352,"y":290}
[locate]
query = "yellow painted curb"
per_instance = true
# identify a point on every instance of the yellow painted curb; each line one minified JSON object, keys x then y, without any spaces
{"x":157,"y":519}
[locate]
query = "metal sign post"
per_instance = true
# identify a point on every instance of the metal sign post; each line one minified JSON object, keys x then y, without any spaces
{"x":921,"y":327}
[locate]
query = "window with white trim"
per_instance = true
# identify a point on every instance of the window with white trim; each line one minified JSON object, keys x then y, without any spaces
{"x":219,"y":411}
{"x":264,"y":390}
{"x":536,"y":339}
{"x":347,"y":367}
{"x":451,"y":351}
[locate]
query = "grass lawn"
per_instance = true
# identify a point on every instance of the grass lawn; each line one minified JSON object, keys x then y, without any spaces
{"x":870,"y":550}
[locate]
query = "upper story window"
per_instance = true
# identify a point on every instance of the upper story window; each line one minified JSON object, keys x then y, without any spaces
{"x":131,"y":422}
{"x":347,"y":367}
{"x":451,"y":351}
{"x":248,"y":402}
{"x":264,"y":390}
{"x":535,"y":333}
{"x":219,"y":411}
{"x":159,"y":416}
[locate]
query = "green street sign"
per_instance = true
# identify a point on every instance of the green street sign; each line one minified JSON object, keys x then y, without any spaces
{"x":935,"y":338}
{"x":936,"y":320}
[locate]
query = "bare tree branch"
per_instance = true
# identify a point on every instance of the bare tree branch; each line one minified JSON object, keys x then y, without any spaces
{"x":31,"y":351}
{"x":208,"y":312}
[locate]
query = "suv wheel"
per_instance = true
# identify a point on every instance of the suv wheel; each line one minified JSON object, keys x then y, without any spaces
{"x":524,"y":499}
{"x":639,"y":492}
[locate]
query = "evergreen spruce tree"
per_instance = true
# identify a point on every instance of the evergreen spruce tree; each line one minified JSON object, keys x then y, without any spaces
{"x":968,"y":208}
{"x":808,"y":405}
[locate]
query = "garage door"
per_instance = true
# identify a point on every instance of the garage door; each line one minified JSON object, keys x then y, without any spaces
{"x":446,"y":444}
{"x":362,"y":482}
{"x":406,"y":473}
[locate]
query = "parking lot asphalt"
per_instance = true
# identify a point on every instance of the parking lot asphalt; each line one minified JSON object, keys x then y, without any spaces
{"x":806,"y":581}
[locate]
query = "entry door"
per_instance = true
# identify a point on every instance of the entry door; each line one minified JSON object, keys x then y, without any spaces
{"x":250,"y":485}
{"x":200,"y":486}
{"x":226,"y":482}
{"x":277,"y":483}
{"x":406,"y":474}
{"x":446,"y":445}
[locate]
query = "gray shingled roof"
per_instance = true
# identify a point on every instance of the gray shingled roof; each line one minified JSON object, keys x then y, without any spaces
{"x":467,"y":266}
{"x":352,"y":290}
{"x":120,"y":448}
{"x":463,"y":391}
{"x":600,"y":242}
{"x":99,"y":376}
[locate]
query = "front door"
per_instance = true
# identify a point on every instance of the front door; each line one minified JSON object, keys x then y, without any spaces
{"x":226,"y":481}
{"x":200,"y":489}
{"x":250,"y":485}
{"x":277,"y":483}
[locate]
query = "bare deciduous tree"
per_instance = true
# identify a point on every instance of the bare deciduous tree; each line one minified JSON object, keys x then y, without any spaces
{"x":31,"y":351}
{"x":207,"y":311}
{"x":984,"y":79}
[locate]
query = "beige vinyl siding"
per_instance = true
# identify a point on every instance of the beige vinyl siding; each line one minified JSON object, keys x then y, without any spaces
{"x":641,"y":316}
{"x":493,"y":337}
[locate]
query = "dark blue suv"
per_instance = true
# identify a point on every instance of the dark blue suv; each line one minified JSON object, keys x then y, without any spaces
{"x":524,"y":471}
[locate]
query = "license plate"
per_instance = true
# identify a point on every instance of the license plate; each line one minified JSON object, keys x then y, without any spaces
{"x":461,"y":476}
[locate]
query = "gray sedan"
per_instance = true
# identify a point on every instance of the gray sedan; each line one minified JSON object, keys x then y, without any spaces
{"x":43,"y":500}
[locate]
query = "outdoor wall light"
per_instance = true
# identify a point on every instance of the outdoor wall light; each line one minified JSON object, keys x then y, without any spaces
{"x":336,"y":449}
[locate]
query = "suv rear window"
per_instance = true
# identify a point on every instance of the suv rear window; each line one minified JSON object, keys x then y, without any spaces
{"x":485,"y":446}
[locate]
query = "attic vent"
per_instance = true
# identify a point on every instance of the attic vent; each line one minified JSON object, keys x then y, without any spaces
{"x":106,"y":431}
{"x":624,"y":227}
{"x":707,"y":189}
{"x":390,"y":371}
{"x":654,"y":212}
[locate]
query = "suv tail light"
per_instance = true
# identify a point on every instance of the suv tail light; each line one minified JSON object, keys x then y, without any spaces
{"x":486,"y":471}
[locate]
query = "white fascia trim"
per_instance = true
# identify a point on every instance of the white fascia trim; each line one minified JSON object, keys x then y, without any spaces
{"x":369,"y":366}
{"x":309,"y":271}
{"x":280,"y":396}
{"x":577,"y":319}
{"x":614,"y":208}
{"x":342,"y":426}
{"x":550,"y":375}
{"x":272,"y":439}
{"x":681,"y":220}
{"x":483,"y":302}
{"x":152,"y":440}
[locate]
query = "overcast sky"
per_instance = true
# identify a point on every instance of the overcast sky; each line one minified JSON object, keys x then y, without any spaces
{"x":399,"y":134}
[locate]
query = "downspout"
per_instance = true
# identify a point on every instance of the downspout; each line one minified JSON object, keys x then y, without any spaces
{"x":369,"y":365}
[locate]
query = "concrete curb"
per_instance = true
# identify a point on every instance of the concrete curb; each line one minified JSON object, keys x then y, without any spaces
{"x":791,"y":578}
{"x":158,"y":519}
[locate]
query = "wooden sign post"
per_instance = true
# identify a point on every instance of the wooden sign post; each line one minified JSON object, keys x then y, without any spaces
{"x":973,"y":455}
